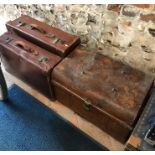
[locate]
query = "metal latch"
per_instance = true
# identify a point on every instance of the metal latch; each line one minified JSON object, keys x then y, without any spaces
{"x":87,"y":105}
{"x":8,"y":39}
{"x":43,"y":59}
{"x":150,"y":136}
{"x":19,"y":24}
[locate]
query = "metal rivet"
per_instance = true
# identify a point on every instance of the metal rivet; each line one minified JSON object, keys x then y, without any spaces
{"x":66,"y":45}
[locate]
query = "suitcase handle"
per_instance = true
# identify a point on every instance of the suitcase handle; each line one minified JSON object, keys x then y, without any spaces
{"x":23,"y":46}
{"x":35,"y":27}
{"x":55,"y":39}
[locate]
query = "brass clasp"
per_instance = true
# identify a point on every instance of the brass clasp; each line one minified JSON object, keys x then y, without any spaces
{"x":87,"y":105}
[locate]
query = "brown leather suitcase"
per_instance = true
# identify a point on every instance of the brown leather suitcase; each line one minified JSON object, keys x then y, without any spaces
{"x":105,"y":92}
{"x":46,"y":36}
{"x":28,"y":62}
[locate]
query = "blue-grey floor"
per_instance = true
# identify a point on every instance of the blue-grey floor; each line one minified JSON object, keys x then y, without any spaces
{"x":26,"y":124}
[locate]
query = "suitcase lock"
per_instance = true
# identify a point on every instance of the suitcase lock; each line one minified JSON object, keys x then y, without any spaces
{"x":43,"y":59}
{"x":7,"y":40}
{"x":87,"y":105}
{"x":19,"y":23}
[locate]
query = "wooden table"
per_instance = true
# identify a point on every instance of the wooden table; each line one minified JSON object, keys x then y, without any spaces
{"x":88,"y":128}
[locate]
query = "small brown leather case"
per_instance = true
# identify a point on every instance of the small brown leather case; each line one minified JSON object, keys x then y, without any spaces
{"x":44,"y":35}
{"x":28,"y":62}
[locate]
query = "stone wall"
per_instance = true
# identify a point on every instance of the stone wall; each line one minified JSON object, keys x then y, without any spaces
{"x":124,"y":32}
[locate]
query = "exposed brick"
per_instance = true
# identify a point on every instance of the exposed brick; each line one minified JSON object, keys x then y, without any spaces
{"x":142,"y":5}
{"x":114,"y":7}
{"x":147,"y":17}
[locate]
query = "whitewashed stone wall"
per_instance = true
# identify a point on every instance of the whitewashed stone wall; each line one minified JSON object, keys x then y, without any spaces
{"x":124,"y":32}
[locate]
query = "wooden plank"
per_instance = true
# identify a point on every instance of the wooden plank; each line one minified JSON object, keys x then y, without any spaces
{"x":88,"y":128}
